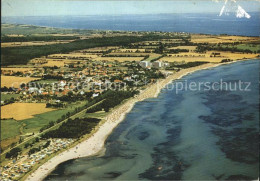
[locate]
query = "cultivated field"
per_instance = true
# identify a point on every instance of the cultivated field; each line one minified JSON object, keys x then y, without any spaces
{"x":73,"y":55}
{"x":13,"y":81}
{"x":190,"y":48}
{"x":192,"y":59}
{"x":206,"y":57}
{"x":14,"y":35}
{"x":236,"y":56}
{"x":15,"y":69}
{"x":99,"y":49}
{"x":128,"y":50}
{"x":23,"y":110}
{"x":119,"y":59}
{"x":10,"y":135}
{"x":52,"y":63}
{"x":252,"y":47}
{"x":59,"y":62}
{"x":128,"y":54}
{"x":221,"y":39}
{"x":34,"y":43}
{"x":10,"y":128}
{"x":30,"y":125}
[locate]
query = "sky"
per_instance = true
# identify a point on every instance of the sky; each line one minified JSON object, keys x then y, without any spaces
{"x":115,"y":7}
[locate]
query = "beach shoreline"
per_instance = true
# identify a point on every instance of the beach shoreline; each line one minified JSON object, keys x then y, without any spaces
{"x":95,"y":143}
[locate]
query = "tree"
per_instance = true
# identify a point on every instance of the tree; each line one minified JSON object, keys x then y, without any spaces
{"x":13,"y":153}
{"x":20,"y":140}
{"x":26,"y":145}
{"x":106,"y":109}
{"x":70,"y":93}
{"x":33,"y":150}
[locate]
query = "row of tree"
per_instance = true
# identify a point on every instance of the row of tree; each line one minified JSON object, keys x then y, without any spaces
{"x":178,"y":50}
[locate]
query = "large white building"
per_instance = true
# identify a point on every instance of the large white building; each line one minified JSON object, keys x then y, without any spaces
{"x":145,"y":64}
{"x":156,"y":64}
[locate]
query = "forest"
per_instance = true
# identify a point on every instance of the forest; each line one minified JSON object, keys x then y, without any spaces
{"x":73,"y":128}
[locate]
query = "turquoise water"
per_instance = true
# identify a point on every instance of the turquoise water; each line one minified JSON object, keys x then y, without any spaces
{"x":192,"y":135}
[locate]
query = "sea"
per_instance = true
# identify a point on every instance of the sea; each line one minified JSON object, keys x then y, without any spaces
{"x":207,"y":23}
{"x":184,"y":134}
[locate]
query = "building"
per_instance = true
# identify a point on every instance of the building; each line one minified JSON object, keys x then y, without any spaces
{"x":145,"y":64}
{"x":157,"y":64}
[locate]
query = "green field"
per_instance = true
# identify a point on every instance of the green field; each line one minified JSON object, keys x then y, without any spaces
{"x":252,"y":47}
{"x":241,"y":47}
{"x":40,"y":120}
{"x":100,"y":114}
{"x":8,"y":96}
{"x":10,"y":128}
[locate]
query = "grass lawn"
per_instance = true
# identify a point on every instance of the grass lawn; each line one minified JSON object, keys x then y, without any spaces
{"x":8,"y":96}
{"x":10,"y":128}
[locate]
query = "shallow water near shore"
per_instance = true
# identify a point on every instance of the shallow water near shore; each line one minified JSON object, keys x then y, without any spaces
{"x":200,"y":135}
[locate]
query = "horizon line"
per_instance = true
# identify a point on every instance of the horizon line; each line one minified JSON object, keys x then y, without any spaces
{"x":121,"y":14}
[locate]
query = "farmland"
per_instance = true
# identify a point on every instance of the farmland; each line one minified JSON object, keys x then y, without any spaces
{"x":13,"y":81}
{"x":17,"y":69}
{"x":23,"y":110}
{"x":30,"y":124}
{"x":252,"y":47}
{"x":191,"y":59}
{"x":38,"y":121}
{"x":190,"y":48}
{"x":34,"y":43}
{"x":8,"y":96}
{"x":207,"y":57}
{"x":213,"y":39}
{"x":22,"y":55}
{"x":13,"y":128}
{"x":52,"y":63}
{"x":119,"y":59}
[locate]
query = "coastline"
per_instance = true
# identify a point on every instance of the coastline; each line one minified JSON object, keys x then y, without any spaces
{"x":94,"y":144}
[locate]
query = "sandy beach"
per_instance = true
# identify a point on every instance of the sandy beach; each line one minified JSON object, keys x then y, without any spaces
{"x":95,"y":143}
